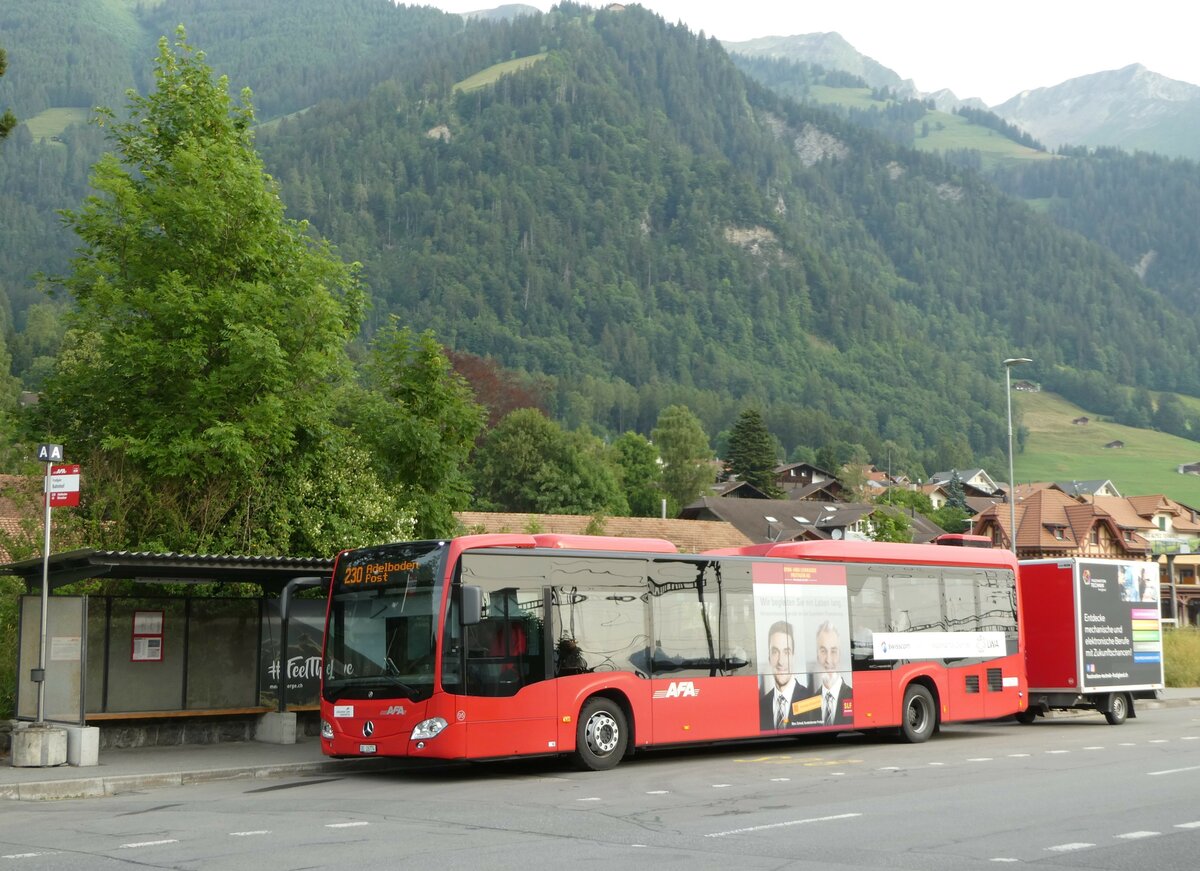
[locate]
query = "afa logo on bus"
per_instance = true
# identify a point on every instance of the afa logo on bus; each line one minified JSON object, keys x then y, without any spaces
{"x":677,"y":689}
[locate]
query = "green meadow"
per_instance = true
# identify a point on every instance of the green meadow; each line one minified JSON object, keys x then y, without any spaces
{"x":1058,"y":450}
{"x":494,"y":72}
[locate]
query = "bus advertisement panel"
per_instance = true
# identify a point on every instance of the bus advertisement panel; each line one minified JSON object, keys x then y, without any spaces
{"x":495,"y":646}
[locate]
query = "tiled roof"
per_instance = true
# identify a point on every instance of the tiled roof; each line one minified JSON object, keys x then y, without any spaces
{"x":690,"y":536}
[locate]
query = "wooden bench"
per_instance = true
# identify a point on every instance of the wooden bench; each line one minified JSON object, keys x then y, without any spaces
{"x":199,"y":712}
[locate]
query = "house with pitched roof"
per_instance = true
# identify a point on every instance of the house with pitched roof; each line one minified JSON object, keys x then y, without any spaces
{"x":797,"y":520}
{"x":1051,"y":524}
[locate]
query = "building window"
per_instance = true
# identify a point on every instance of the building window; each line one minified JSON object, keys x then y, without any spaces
{"x":1162,"y":523}
{"x":1095,"y":536}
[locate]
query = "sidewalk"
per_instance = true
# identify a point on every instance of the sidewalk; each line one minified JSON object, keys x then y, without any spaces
{"x":150,"y":767}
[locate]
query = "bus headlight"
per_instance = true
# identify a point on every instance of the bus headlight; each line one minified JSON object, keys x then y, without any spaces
{"x":428,"y":728}
{"x":326,"y":730}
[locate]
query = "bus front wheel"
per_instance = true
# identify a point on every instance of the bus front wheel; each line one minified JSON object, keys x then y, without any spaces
{"x":918,"y":717}
{"x":602,"y":735}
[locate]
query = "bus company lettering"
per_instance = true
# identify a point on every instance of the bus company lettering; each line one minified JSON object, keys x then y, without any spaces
{"x":375,"y":573}
{"x":676,"y":689}
{"x":393,"y":711}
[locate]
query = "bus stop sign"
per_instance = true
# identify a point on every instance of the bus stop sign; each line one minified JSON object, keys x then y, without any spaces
{"x":63,"y":486}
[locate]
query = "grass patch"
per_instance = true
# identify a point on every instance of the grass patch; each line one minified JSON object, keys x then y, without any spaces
{"x":483,"y":78}
{"x":853,"y":98}
{"x":1181,"y":657}
{"x":1058,"y":450}
{"x":53,"y":122}
{"x":950,"y":132}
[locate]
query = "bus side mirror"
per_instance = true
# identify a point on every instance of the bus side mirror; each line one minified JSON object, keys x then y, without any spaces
{"x":472,"y":605}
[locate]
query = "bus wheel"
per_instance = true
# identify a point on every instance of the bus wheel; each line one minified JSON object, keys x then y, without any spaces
{"x":918,"y":716}
{"x":1027,"y":716}
{"x":602,"y":735}
{"x":1118,"y":709}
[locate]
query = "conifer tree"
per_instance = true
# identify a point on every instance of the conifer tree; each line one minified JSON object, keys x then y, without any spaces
{"x":8,"y":120}
{"x":752,"y":455}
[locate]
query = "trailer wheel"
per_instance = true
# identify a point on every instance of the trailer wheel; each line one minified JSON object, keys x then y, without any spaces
{"x":918,"y":717}
{"x":1118,"y":709}
{"x":601,"y":736}
{"x":1027,"y":716}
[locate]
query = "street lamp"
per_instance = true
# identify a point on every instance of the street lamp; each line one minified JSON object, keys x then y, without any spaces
{"x":1012,"y":485}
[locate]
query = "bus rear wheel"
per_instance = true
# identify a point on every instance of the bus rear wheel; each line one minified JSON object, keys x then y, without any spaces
{"x":918,"y":716}
{"x":602,"y":735}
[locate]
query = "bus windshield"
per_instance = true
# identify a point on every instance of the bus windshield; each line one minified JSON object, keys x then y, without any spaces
{"x":381,"y":636}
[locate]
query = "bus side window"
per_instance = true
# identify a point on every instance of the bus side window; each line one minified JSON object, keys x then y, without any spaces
{"x":868,"y":615}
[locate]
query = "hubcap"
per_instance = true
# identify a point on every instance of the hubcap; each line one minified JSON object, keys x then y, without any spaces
{"x":602,"y":733}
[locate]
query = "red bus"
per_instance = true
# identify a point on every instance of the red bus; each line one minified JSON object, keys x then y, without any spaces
{"x":495,"y":646}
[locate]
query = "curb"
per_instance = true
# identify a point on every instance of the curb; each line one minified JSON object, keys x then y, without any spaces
{"x":115,"y":784}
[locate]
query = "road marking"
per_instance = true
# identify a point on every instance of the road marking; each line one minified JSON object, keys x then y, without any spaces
{"x":1195,"y":825}
{"x":29,"y":855}
{"x":1004,"y":859}
{"x":1058,"y":751}
{"x":781,"y":825}
{"x":658,"y":792}
{"x":721,"y":785}
{"x":247,"y":834}
{"x":1018,"y":755}
{"x":1067,"y":848}
{"x":1094,"y":747}
{"x":148,"y":843}
{"x":780,"y":779}
{"x":1133,"y":836}
{"x":1158,"y":741}
{"x":1174,"y":770}
{"x":937,"y":763}
{"x":346,"y":825}
{"x":593,"y":798}
{"x":1190,"y":738}
{"x":1127,"y":744}
{"x":980,"y":759}
{"x":889,"y":768}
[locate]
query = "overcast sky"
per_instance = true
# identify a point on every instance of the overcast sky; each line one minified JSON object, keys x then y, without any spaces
{"x":988,"y":50}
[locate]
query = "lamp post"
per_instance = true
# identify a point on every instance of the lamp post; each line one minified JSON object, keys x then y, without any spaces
{"x":1012,"y":485}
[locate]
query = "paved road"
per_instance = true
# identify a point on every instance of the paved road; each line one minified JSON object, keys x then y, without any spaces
{"x":1072,"y":793}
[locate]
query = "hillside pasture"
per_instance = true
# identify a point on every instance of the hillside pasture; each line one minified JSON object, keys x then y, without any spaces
{"x":53,"y":122}
{"x":492,"y":74}
{"x":950,"y":132}
{"x":1058,"y":450}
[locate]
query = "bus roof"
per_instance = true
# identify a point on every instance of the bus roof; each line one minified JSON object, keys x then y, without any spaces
{"x":875,"y":551}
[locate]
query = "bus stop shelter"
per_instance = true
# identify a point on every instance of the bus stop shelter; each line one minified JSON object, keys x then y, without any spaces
{"x":160,"y":661}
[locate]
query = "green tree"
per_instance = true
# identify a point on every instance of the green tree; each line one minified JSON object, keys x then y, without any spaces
{"x":686,"y":455}
{"x":752,"y":456}
{"x":956,"y":497}
{"x":197,"y":374}
{"x":890,"y":524}
{"x":420,"y":421}
{"x":8,"y":120}
{"x":641,"y":475}
{"x":528,"y":463}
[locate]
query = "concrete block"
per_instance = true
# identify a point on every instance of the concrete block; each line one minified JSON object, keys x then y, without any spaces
{"x":83,"y":745}
{"x":39,"y":746}
{"x":276,"y":728}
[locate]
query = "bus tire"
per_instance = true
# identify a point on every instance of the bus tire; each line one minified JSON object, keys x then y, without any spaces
{"x":601,"y":736}
{"x":1027,"y":716}
{"x":918,"y":716}
{"x":1117,"y":710}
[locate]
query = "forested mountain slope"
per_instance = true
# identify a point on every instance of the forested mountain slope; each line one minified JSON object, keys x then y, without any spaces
{"x":635,"y":219}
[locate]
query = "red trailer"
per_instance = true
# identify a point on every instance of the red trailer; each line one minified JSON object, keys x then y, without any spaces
{"x":1093,"y":635}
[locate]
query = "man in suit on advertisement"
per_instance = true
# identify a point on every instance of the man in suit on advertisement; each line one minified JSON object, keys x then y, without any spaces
{"x":837,"y":705}
{"x":787,"y":701}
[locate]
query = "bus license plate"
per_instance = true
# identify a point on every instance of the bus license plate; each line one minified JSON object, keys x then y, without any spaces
{"x":366,"y":748}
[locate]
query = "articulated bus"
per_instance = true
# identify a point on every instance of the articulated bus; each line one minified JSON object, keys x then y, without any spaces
{"x":499,"y":646}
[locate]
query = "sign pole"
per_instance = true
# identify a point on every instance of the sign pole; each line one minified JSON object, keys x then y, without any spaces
{"x":48,"y":454}
{"x":41,"y":670}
